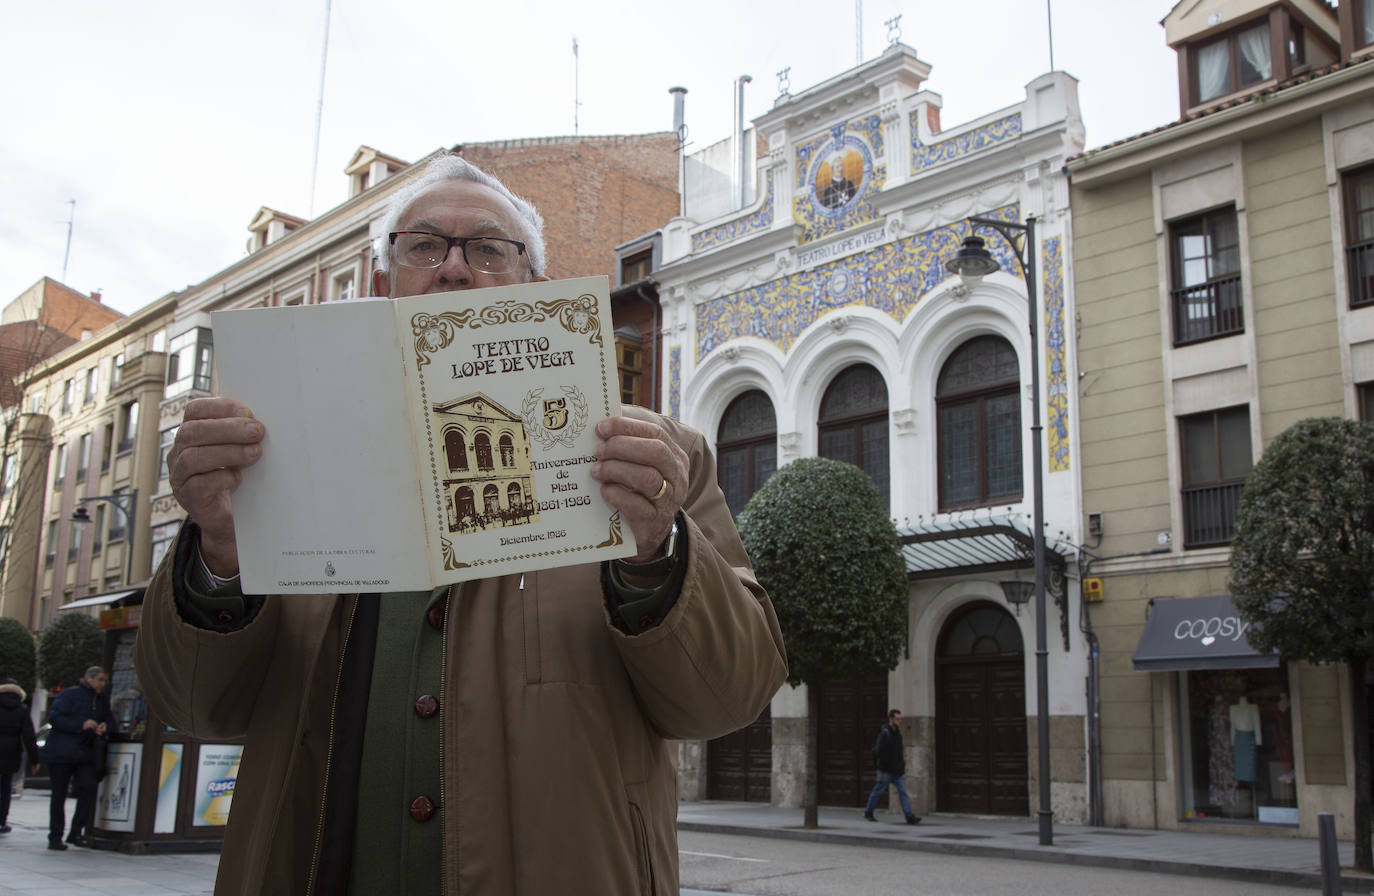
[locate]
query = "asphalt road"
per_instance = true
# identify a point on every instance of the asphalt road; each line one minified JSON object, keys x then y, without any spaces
{"x":763,"y":866}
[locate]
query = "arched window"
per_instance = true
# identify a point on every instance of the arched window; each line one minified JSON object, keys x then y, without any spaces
{"x":456,"y":450}
{"x":983,"y":630}
{"x":491,"y":500}
{"x":746,"y":448}
{"x":482,"y":444}
{"x":507,"y":450}
{"x":515,"y":498}
{"x":978,"y":409}
{"x":853,"y":423}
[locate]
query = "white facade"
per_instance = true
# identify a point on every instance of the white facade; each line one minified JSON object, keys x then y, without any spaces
{"x":861,"y":199}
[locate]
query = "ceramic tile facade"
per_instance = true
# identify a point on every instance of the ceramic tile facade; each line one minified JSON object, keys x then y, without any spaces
{"x":891,"y":277}
{"x":928,"y":156}
{"x":1057,"y":376}
{"x":824,"y":212}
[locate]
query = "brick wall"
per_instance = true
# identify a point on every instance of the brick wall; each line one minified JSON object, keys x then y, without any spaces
{"x":595,"y":193}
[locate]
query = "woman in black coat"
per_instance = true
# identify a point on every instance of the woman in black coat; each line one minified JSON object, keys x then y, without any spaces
{"x":16,"y":738}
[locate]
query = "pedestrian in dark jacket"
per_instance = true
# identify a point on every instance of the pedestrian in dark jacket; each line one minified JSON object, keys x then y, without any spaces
{"x":890,"y":759}
{"x":16,"y":739}
{"x":81,"y":719}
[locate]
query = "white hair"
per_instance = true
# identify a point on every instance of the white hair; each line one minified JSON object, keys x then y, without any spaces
{"x":452,"y":167}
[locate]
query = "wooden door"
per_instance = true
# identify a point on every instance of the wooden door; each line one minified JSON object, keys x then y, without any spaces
{"x":980,"y":715}
{"x":739,"y":765}
{"x":851,"y":713}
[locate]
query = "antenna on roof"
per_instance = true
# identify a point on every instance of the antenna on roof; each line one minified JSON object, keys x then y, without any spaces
{"x":1049,"y":24}
{"x":68,"y":251}
{"x":858,"y":32}
{"x":319,"y":108}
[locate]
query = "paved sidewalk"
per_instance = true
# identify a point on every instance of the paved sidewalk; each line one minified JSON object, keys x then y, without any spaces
{"x":29,"y":868}
{"x":1199,"y":853}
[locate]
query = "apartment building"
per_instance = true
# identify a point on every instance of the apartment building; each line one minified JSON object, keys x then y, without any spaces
{"x":1224,"y":274}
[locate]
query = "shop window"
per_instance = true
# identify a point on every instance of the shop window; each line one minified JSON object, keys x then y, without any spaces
{"x":1358,"y":187}
{"x":978,"y":408}
{"x":1236,"y":746}
{"x":853,"y":423}
{"x":746,"y":448}
{"x":1216,"y":460}
{"x":1206,"y":289}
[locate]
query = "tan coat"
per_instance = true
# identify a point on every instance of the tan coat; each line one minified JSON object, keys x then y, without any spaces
{"x":557,"y":774}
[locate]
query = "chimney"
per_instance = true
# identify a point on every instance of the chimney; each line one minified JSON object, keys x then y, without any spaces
{"x":680,"y":128}
{"x":95,"y":296}
{"x":741,"y":151}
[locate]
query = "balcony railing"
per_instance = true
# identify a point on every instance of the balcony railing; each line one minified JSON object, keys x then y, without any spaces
{"x":1209,"y":514}
{"x":1207,"y":311}
{"x":1359,"y":261}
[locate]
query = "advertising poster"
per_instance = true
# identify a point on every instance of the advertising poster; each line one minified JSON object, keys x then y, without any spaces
{"x":216,"y":773}
{"x":168,"y":786}
{"x":119,"y":789}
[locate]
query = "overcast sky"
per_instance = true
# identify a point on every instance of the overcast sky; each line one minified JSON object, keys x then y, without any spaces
{"x":171,"y":123}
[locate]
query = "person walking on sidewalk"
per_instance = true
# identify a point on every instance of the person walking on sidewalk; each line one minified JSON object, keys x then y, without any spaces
{"x":890,"y":759}
{"x":81,"y":720}
{"x":16,"y":739}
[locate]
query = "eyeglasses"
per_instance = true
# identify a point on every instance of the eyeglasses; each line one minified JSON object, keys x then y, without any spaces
{"x":488,"y":254}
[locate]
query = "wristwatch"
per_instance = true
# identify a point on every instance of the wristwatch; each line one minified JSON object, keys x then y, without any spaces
{"x":659,"y":567}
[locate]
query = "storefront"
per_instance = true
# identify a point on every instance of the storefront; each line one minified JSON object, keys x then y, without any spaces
{"x":163,"y":791}
{"x":1233,"y":710}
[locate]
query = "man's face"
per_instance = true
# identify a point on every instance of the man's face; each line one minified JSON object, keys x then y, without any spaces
{"x":896,"y":719}
{"x":455,"y":208}
{"x":97,"y":682}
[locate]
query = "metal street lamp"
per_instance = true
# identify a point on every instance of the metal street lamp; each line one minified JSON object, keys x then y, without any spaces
{"x":127,"y":504}
{"x":972,"y":263}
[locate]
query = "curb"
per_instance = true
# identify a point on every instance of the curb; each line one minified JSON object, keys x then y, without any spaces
{"x":1349,"y":884}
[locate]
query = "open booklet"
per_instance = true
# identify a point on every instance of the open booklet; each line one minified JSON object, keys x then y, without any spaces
{"x":425,"y":440}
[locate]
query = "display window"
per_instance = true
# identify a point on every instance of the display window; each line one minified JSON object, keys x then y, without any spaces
{"x":1236,"y":746}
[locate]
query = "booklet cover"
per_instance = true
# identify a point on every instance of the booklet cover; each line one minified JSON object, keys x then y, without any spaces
{"x":425,"y":440}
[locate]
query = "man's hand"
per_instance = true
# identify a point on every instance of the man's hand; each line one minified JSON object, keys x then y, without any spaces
{"x":88,"y":725}
{"x":216,"y":439}
{"x":643,"y":474}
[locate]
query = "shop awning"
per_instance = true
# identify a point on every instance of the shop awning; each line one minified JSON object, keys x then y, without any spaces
{"x":1197,"y":633}
{"x":99,"y":600}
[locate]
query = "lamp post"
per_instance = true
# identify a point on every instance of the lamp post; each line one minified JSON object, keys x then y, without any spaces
{"x":127,"y":504}
{"x":972,"y":263}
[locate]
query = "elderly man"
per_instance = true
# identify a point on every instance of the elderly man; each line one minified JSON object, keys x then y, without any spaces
{"x":502,"y":736}
{"x":80,"y":717}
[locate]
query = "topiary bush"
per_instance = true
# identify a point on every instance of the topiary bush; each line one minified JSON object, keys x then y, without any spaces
{"x":68,"y":645}
{"x":17,"y":655}
{"x":821,"y":542}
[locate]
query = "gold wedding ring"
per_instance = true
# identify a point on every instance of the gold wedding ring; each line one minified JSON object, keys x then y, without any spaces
{"x":662,"y":490}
